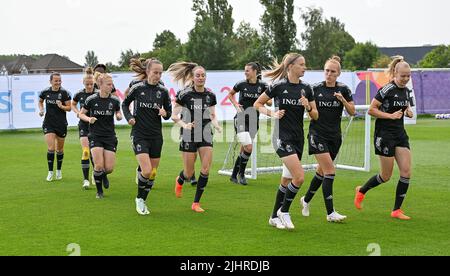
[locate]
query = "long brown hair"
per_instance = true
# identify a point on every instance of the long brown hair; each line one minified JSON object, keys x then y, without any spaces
{"x":183,"y":72}
{"x":140,"y":66}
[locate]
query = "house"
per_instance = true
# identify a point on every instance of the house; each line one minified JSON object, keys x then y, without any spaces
{"x":411,"y":54}
{"x":22,"y":64}
{"x":54,"y":63}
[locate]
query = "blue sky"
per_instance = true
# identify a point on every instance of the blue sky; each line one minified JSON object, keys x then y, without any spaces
{"x":72,"y":27}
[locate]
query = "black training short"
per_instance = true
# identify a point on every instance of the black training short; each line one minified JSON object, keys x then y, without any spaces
{"x":288,"y":148}
{"x":152,"y":147}
{"x":193,"y":146}
{"x":386,"y":142}
{"x":319,"y":145}
{"x":241,"y":125}
{"x":107,"y":143}
{"x":83,"y":129}
{"x":61,"y":131}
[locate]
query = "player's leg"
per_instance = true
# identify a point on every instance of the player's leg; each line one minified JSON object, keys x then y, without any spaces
{"x":50,"y":139}
{"x":206,"y":155}
{"x":403,"y":158}
{"x":85,"y":160}
{"x":99,"y":169}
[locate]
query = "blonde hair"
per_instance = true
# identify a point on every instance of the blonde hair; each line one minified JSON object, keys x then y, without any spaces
{"x":393,"y":66}
{"x":88,"y":74}
{"x":140,"y":66}
{"x":183,"y":72}
{"x":280,"y":71}
{"x":335,"y":60}
{"x":103,"y":77}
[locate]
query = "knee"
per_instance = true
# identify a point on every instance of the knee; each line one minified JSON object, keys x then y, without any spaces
{"x":298,"y":180}
{"x":205,"y":171}
{"x":146,"y":172}
{"x":386,"y":177}
{"x":406,"y":173}
{"x":109,"y":170}
{"x":248,"y":148}
{"x":99,"y":168}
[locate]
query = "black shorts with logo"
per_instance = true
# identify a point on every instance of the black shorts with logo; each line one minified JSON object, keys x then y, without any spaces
{"x":386,"y":142}
{"x":241,"y":125}
{"x":320,"y":145}
{"x":290,"y":147}
{"x":60,"y":131}
{"x":152,"y":147}
{"x":194,"y":146}
{"x":107,"y":143}
{"x":83,"y":129}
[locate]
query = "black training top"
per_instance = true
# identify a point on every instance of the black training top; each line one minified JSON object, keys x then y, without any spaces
{"x":81,"y":97}
{"x":148,"y":100}
{"x":104,"y":110}
{"x":330,"y":109}
{"x":392,"y":99}
{"x":286,"y":97}
{"x":196,"y":109}
{"x":249,"y":92}
{"x":54,"y":115}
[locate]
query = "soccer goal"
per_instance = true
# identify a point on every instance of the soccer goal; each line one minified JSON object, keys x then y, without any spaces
{"x":354,"y":154}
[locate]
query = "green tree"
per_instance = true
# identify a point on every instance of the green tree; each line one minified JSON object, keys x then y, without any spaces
{"x":279,"y":26}
{"x":91,"y":59}
{"x":361,"y":57}
{"x":323,"y":38}
{"x":249,"y":46}
{"x":382,"y":61}
{"x":125,"y":57}
{"x":167,"y":48}
{"x":210,"y":41}
{"x":438,"y":58}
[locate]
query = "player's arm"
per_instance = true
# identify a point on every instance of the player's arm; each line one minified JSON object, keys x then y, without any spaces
{"x":177,"y":109}
{"x":349,"y":105}
{"x":75,"y":108}
{"x":374,"y":111}
{"x":214,"y":121}
{"x":409,"y":113}
{"x":41,"y":107}
{"x":85,"y":118}
{"x":232,"y":98}
{"x":126,"y":109}
{"x":312,"y":111}
{"x":67,"y":106}
{"x":259,"y":106}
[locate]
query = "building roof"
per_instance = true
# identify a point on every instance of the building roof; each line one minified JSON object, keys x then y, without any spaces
{"x":411,"y":54}
{"x":54,"y":62}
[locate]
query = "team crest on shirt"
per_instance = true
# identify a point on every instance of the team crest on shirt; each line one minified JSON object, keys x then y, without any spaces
{"x":208,"y":100}
{"x":259,"y":90}
{"x":303,"y":92}
{"x":59,"y":97}
{"x":158,"y":94}
{"x":111,"y":106}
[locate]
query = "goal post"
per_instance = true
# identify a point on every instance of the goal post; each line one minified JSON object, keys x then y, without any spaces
{"x":354,"y":154}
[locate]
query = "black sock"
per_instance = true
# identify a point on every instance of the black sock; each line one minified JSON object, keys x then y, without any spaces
{"x":327,"y":189}
{"x":59,"y":159}
{"x":245,"y":157}
{"x":144,"y":187}
{"x":281,"y":194}
{"x":291,"y":192}
{"x":202,"y":183}
{"x":372,"y":183}
{"x":85,"y":165}
{"x":316,"y":182}
{"x":181,"y":178}
{"x":98,"y":176}
{"x":50,"y":160}
{"x":402,"y":190}
{"x":236,"y":167}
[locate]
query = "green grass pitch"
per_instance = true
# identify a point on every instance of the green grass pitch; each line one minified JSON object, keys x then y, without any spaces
{"x":40,"y":218}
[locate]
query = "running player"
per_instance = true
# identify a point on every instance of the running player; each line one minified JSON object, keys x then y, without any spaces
{"x":101,"y":108}
{"x":390,"y":106}
{"x":196,"y":104}
{"x":246,"y":121}
{"x":83,"y":127}
{"x":325,"y":135}
{"x":57,"y":104}
{"x":291,"y":97}
{"x":151,"y":102}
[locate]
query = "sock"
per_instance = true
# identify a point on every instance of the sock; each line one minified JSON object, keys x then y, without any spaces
{"x":98,"y":176}
{"x":59,"y":159}
{"x":245,"y":156}
{"x":143,"y":187}
{"x":402,"y":190}
{"x":236,"y":168}
{"x":291,"y":192}
{"x":327,"y":189}
{"x":281,"y":194}
{"x":372,"y":183}
{"x":182,"y":178}
{"x":193,"y":180}
{"x":202,"y":182}
{"x":51,"y":160}
{"x":316,"y":182}
{"x":85,"y":165}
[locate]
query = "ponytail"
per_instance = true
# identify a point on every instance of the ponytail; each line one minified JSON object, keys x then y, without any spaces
{"x":280,"y":71}
{"x":336,"y":60}
{"x":396,"y":60}
{"x":258,"y":68}
{"x":88,"y":73}
{"x":183,"y":72}
{"x":141,"y":65}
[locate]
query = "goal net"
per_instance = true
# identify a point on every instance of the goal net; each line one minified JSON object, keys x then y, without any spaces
{"x":354,"y":154}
